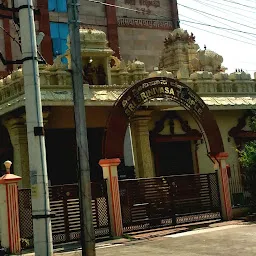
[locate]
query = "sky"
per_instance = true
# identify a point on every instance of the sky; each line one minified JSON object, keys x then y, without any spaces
{"x":229,"y":14}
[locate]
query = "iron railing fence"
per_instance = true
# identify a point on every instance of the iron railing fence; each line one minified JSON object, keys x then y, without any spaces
{"x":172,"y":200}
{"x":240,"y":197}
{"x":64,"y":203}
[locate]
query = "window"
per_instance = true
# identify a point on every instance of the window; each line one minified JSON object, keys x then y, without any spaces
{"x":57,"y":5}
{"x":59,"y":33}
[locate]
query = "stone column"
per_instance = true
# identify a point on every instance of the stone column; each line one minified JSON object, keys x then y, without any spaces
{"x":109,"y":167}
{"x":18,"y":134}
{"x":221,"y":166}
{"x":17,"y":129}
{"x":144,"y":165}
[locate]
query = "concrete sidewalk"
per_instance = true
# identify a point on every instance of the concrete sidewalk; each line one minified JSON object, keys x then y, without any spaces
{"x":146,"y":239}
{"x":233,"y":240}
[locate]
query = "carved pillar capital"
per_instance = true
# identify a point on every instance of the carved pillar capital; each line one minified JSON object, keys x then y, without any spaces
{"x":140,"y":121}
{"x":13,"y":121}
{"x":17,"y":129}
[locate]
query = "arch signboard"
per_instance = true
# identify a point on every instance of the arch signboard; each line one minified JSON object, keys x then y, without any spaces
{"x":154,"y":89}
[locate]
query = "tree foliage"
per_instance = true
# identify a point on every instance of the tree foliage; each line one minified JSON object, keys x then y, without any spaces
{"x":252,"y":121}
{"x":248,"y":162}
{"x":248,"y":155}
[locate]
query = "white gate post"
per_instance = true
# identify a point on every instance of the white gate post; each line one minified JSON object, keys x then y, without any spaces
{"x":109,"y":167}
{"x":221,"y":166}
{"x":9,"y":210}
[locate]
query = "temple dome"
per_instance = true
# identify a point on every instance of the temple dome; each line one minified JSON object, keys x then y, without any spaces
{"x":136,"y":65}
{"x":179,"y":34}
{"x":92,"y":39}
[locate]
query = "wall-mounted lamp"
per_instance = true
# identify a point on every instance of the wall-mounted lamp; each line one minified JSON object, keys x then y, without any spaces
{"x":90,"y":60}
{"x":7,"y":165}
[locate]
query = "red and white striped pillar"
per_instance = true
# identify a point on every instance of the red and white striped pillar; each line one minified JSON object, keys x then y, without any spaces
{"x":9,"y":211}
{"x":109,"y":167}
{"x":221,"y":166}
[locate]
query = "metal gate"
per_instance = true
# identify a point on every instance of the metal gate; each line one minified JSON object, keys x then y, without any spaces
{"x":172,"y":200}
{"x":64,"y":203}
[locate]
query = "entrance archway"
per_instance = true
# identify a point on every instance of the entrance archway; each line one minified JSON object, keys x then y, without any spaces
{"x":165,"y":88}
{"x":155,"y":88}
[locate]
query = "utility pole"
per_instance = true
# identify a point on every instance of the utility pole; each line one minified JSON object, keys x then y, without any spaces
{"x":83,"y":168}
{"x":35,"y":132}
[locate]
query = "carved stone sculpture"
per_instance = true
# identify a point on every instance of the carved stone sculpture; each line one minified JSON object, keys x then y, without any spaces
{"x":207,"y":60}
{"x":101,"y":75}
{"x":88,"y":74}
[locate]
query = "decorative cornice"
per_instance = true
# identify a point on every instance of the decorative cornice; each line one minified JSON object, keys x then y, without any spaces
{"x":96,"y":96}
{"x":219,"y":90}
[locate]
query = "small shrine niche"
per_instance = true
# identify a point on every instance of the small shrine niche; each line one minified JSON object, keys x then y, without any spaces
{"x":96,"y":56}
{"x":94,"y":71}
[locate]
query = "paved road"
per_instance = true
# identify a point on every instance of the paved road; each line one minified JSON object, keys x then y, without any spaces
{"x":228,"y":241}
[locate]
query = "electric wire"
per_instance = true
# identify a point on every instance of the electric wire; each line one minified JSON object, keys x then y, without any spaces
{"x":214,"y":16}
{"x":116,"y":6}
{"x":186,"y":21}
{"x":251,"y":1}
{"x":233,"y":7}
{"x":221,"y":35}
{"x":15,"y":21}
{"x":134,"y":10}
{"x":233,"y":2}
{"x":209,"y":16}
{"x":225,"y":36}
{"x":221,"y":9}
{"x":13,"y":38}
{"x":229,"y":30}
{"x":213,"y":26}
{"x":200,"y":23}
{"x":19,"y":42}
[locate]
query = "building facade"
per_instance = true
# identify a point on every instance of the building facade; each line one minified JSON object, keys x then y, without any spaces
{"x":129,"y":32}
{"x":163,"y":138}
